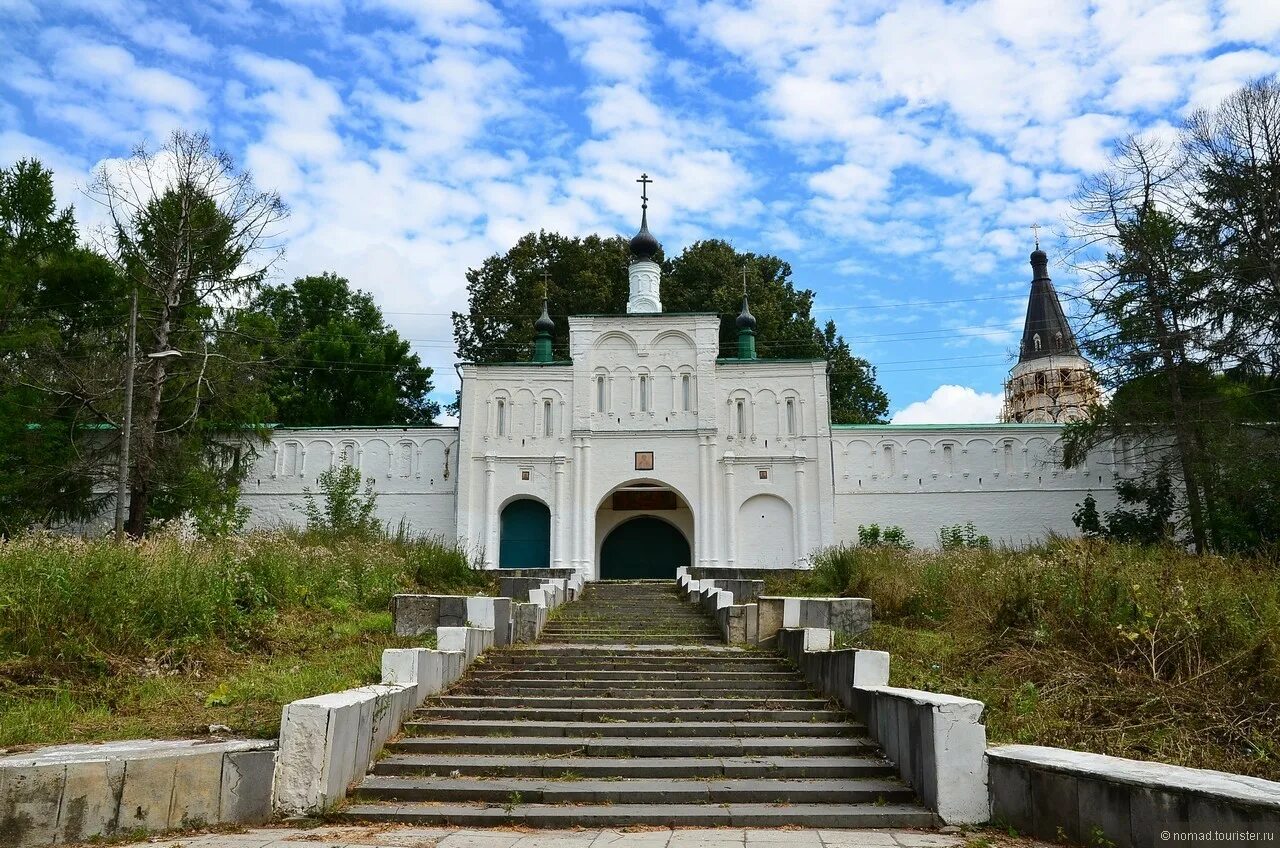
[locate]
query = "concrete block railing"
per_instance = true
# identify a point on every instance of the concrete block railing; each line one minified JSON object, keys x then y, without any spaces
{"x":417,"y":615}
{"x":518,"y":585}
{"x":72,"y":793}
{"x":747,"y":617}
{"x":1089,"y":798}
{"x":938,"y":745}
{"x":936,"y":742}
{"x":328,"y":743}
{"x":511,"y":621}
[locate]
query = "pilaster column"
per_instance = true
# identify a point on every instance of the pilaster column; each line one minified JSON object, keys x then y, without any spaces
{"x":802,"y":516}
{"x":575,"y":541}
{"x":587,"y":515}
{"x":730,"y":514}
{"x":557,"y":512}
{"x":702,"y":518}
{"x":715,"y":531}
{"x":490,"y":512}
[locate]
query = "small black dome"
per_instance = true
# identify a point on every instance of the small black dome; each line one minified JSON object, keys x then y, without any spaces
{"x":745,"y":321}
{"x":643,"y":243}
{"x":544,"y":324}
{"x":1039,"y":264}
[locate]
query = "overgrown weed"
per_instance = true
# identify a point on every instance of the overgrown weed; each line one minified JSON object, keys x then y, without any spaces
{"x":107,"y":640}
{"x":1146,"y":652}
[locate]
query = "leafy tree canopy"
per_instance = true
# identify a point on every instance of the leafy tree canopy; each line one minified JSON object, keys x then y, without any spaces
{"x":336,"y":360}
{"x":589,"y":276}
{"x":55,"y":313}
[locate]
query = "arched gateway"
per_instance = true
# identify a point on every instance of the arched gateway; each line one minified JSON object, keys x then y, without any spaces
{"x":643,"y":547}
{"x":643,"y":530}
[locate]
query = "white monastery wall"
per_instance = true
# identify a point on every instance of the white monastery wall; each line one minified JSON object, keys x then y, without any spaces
{"x":761,"y":479}
{"x":772,"y":495}
{"x":414,"y":472}
{"x":1006,"y":478}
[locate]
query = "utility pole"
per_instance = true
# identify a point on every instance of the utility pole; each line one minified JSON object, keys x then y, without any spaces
{"x":122,"y":479}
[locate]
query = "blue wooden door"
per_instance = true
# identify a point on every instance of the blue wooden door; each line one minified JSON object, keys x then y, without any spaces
{"x":526,"y":535}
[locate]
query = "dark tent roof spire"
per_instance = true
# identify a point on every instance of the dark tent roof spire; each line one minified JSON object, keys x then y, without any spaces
{"x":1046,"y":331}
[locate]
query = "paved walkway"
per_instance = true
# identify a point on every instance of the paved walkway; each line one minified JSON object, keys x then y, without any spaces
{"x":442,"y":837}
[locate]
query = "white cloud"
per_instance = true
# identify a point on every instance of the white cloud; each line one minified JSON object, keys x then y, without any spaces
{"x":952,"y":405}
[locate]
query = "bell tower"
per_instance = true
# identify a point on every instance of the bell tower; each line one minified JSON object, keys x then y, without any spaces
{"x":644,"y":273}
{"x":1052,"y":382}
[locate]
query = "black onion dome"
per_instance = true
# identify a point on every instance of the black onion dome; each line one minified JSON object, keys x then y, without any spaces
{"x":643,"y":243}
{"x":745,"y":321}
{"x":1040,"y":264}
{"x":544,"y":324}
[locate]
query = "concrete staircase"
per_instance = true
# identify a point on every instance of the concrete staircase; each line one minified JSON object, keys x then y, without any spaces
{"x":631,"y":711}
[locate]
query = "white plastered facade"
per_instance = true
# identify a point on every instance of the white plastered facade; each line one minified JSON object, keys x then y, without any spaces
{"x":762,"y":479}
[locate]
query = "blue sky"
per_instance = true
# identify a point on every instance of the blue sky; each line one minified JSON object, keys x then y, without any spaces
{"x":895,"y":153}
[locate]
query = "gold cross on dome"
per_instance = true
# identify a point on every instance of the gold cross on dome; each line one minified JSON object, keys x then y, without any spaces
{"x":1035,"y":228}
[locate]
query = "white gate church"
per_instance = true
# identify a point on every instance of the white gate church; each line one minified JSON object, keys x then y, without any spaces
{"x":646,"y":451}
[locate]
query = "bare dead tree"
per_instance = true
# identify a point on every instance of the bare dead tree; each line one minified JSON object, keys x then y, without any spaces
{"x":193,"y":234}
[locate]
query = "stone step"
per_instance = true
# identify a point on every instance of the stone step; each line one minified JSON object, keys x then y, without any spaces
{"x":634,"y":746}
{"x":658,"y":815}
{"x":528,"y":765}
{"x":553,"y":656}
{"x":654,"y":729}
{"x":667,"y":626}
{"x":595,"y":614}
{"x":625,"y":692}
{"x":656,"y":628}
{"x":721,"y":651}
{"x":679,"y":703}
{"x":644,"y":674}
{"x":641,"y":680}
{"x":558,"y":664}
{"x":642,"y":716}
{"x":533,"y":790}
{"x":646,"y":639}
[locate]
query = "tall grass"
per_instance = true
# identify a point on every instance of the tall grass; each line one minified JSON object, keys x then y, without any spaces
{"x":82,"y":607}
{"x":1129,"y":650}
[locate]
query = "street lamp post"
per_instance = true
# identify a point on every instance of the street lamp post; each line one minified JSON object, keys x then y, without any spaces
{"x":122,"y":472}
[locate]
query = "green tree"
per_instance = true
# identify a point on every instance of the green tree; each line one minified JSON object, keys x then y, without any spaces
{"x":337,"y":361}
{"x":589,"y":276}
{"x":1182,"y":241}
{"x":504,"y":295}
{"x":1146,"y":300}
{"x":856,"y":397}
{"x":59,"y":341}
{"x":194,"y":236}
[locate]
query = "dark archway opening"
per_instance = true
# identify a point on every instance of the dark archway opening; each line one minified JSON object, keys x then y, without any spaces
{"x":641,"y":548}
{"x":525,"y":540}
